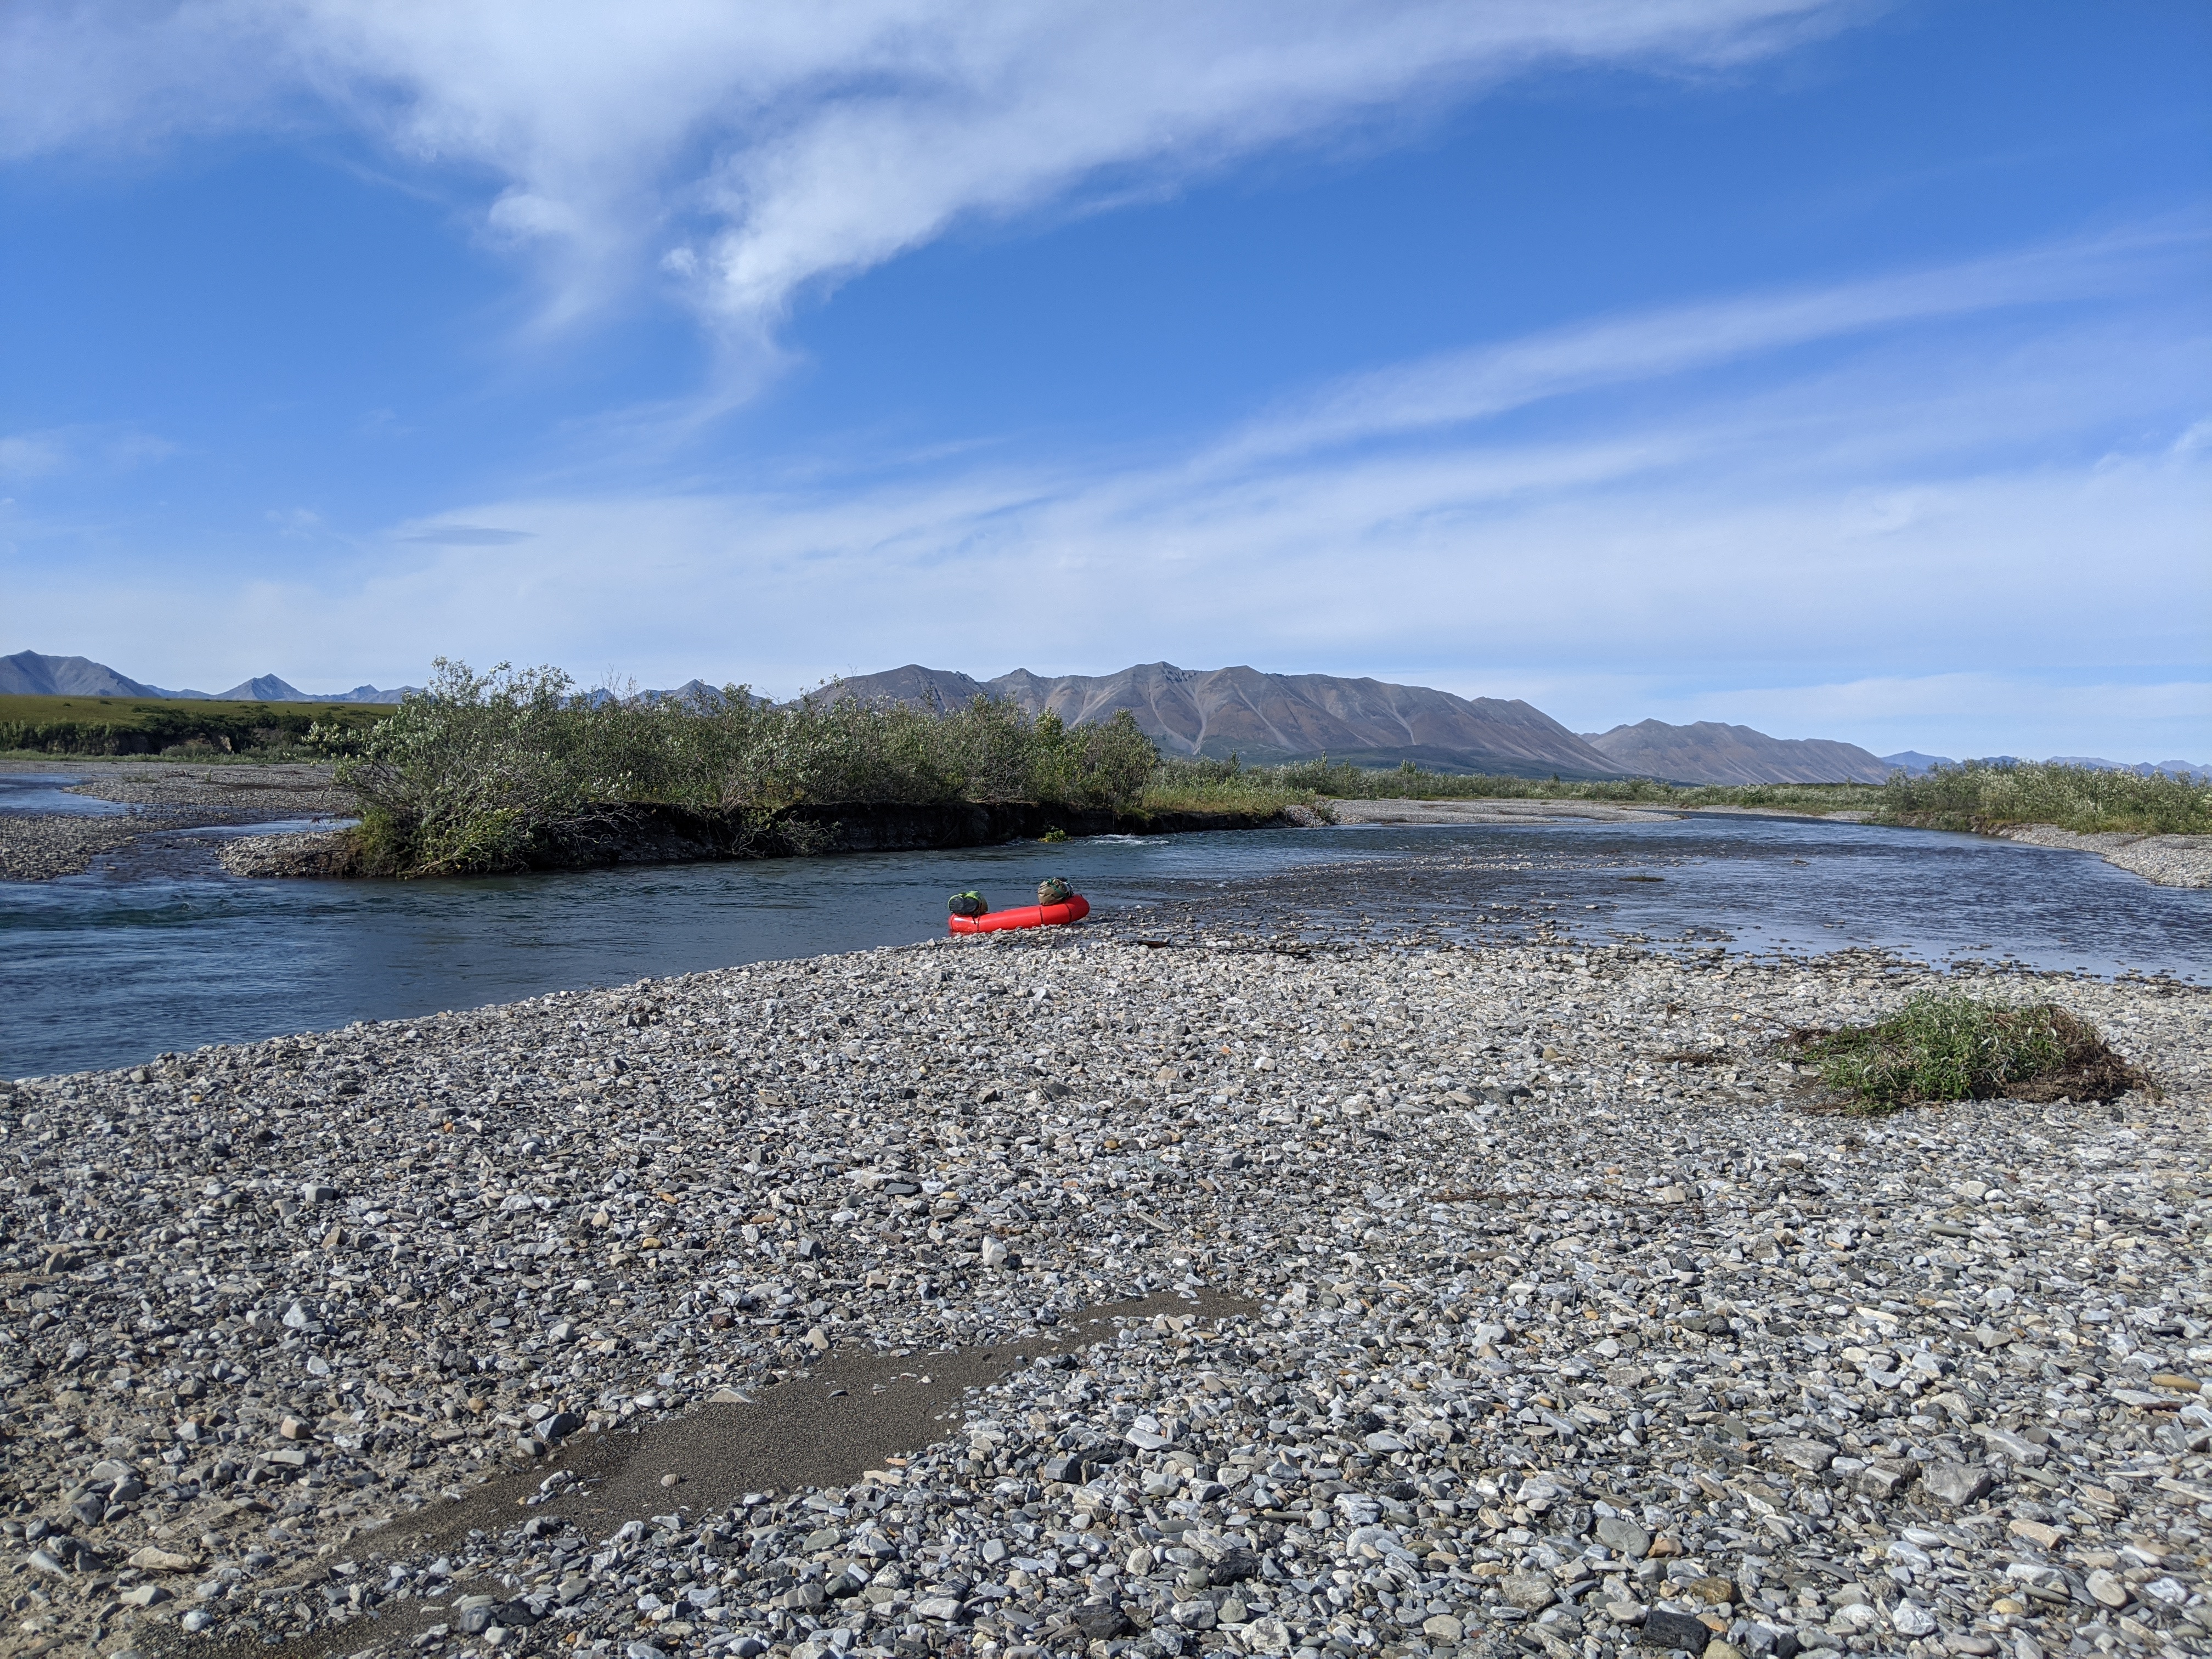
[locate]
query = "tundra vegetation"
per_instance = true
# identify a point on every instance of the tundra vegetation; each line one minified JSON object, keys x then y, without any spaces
{"x":188,"y":728}
{"x":1971,"y":797}
{"x":1183,"y":783}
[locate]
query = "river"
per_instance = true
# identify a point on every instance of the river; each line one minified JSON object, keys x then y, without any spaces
{"x":155,"y":948}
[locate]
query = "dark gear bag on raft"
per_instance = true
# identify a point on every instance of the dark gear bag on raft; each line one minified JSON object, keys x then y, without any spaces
{"x":1054,"y":891}
{"x":969,"y":903}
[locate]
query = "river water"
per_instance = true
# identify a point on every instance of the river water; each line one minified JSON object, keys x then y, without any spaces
{"x":47,"y":792}
{"x":155,"y":948}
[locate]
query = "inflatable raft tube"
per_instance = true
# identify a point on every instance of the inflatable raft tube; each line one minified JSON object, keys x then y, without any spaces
{"x":1027,"y":915}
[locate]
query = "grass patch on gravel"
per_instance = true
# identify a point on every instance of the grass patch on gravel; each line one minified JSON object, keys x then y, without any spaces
{"x":1943,"y":1046}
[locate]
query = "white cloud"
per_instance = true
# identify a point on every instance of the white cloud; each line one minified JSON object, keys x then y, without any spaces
{"x":1688,"y":589}
{"x":753,"y":150}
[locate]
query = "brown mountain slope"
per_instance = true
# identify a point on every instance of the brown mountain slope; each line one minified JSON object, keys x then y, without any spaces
{"x":1269,"y":718}
{"x":941,"y":688}
{"x":1709,"y":752}
{"x":28,"y":674}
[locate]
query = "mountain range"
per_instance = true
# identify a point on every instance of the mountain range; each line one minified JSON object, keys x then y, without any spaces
{"x":28,"y":674}
{"x":1272,"y":718}
{"x":1262,"y":718}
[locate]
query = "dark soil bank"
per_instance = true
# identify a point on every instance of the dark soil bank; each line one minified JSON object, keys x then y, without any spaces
{"x":682,"y":835}
{"x":891,"y":828}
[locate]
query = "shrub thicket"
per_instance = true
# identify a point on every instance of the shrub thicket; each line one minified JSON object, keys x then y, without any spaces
{"x":1195,"y":782}
{"x":2083,"y":799}
{"x":480,"y":767}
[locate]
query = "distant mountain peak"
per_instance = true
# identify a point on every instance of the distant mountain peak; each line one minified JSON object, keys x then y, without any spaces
{"x":271,"y":688}
{"x":925,"y":688}
{"x":1913,"y":764}
{"x":1708,"y":751}
{"x":263,"y":688}
{"x":28,"y":674}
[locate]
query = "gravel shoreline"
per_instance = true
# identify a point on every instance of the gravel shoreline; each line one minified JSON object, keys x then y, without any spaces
{"x":1529,"y":1304}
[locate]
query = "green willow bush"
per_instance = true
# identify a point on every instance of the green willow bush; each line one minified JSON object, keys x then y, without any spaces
{"x":2079,"y":798}
{"x":480,"y":767}
{"x":1194,"y":784}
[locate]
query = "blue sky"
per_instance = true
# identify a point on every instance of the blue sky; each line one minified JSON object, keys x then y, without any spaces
{"x":1845,"y":370}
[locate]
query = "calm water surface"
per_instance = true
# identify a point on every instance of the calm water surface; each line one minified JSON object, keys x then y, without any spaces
{"x":48,"y":792}
{"x":157,"y":950}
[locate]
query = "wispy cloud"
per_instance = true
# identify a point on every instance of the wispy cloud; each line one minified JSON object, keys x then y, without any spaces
{"x":1454,"y":388}
{"x":748,"y":152}
{"x":31,"y":455}
{"x":60,"y":449}
{"x":463,"y":535}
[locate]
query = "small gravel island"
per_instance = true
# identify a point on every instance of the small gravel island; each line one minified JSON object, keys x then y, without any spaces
{"x":1085,"y":1293}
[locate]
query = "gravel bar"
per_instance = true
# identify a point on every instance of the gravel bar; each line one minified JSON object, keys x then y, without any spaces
{"x":41,"y":845}
{"x":1500,"y":1300}
{"x":291,"y":788}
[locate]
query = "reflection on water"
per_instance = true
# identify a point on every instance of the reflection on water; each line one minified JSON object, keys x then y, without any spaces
{"x":161,"y":952}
